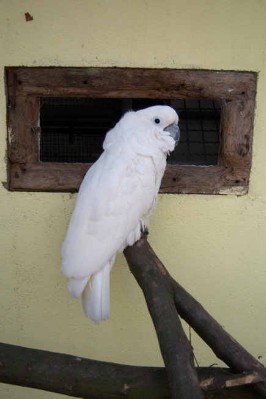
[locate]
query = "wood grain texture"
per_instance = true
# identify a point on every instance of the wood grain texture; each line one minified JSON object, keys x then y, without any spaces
{"x":158,"y":286}
{"x":134,"y":82}
{"x":85,"y":378}
{"x":237,"y":91}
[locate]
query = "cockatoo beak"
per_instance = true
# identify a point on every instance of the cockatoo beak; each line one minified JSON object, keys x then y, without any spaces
{"x":174,"y":131}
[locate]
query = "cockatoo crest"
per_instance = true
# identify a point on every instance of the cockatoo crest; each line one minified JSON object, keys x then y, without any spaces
{"x":115,"y":201}
{"x":145,"y":130}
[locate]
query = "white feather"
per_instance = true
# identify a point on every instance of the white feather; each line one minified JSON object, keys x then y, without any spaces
{"x":96,"y":295}
{"x":114,"y":203}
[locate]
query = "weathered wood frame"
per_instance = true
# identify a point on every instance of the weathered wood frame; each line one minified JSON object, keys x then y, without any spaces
{"x":236,"y":90}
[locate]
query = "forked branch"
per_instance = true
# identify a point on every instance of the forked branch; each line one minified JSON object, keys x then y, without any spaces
{"x":84,"y":378}
{"x":150,"y":272}
{"x":166,"y":299}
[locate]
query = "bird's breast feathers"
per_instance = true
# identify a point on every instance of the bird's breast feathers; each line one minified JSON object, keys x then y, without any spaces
{"x":114,"y":198}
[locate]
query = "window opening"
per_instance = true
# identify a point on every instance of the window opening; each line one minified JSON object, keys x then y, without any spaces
{"x":73,"y":129}
{"x":50,"y":147}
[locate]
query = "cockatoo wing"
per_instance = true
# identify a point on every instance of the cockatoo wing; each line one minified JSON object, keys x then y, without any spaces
{"x":115,"y":194}
{"x":115,"y":200}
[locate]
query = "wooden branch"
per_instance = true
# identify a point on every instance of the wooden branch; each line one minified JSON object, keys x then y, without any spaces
{"x":149,"y":272}
{"x":79,"y":377}
{"x":224,"y":381}
{"x":174,"y":345}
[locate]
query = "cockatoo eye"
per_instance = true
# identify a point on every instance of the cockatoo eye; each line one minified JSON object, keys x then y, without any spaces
{"x":157,"y":120}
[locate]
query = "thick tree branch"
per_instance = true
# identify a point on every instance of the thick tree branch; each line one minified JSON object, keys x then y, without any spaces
{"x":174,"y":345}
{"x":149,"y":272}
{"x":166,"y":299}
{"x":85,"y":378}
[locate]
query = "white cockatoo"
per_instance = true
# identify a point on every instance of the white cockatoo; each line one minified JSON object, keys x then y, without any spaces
{"x":115,"y":201}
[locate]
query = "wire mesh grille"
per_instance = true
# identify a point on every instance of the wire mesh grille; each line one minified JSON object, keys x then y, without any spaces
{"x":199,"y":125}
{"x":73,"y":129}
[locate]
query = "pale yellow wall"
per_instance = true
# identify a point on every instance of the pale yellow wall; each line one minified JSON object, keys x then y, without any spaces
{"x":214,"y":245}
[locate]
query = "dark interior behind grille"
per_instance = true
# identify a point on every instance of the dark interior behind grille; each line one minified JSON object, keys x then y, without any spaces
{"x":73,"y":129}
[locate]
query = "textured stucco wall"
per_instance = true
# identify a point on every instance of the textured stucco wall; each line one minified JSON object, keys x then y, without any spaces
{"x":214,"y":245}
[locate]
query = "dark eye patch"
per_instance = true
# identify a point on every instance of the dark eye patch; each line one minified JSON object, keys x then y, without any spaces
{"x":157,"y":120}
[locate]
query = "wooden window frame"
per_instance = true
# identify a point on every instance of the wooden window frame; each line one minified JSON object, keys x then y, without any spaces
{"x":236,"y":90}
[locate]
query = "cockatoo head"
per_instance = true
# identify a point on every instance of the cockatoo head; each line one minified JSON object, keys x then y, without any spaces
{"x":147,"y":131}
{"x":164,"y":119}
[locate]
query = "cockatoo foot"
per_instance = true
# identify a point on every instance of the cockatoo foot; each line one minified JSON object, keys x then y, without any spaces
{"x":144,"y":231}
